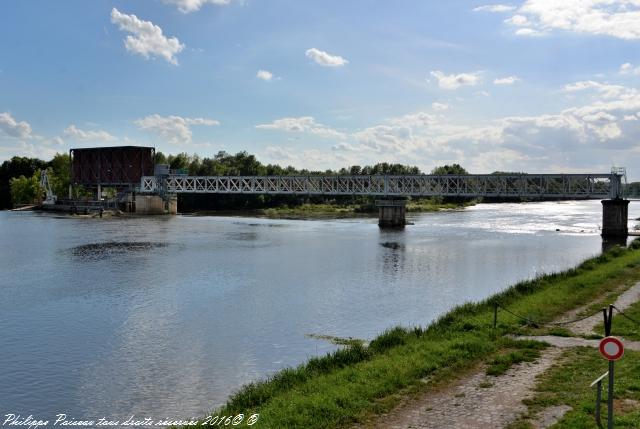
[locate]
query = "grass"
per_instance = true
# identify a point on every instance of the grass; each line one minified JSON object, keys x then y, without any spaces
{"x":432,"y":205}
{"x":567,"y":383}
{"x":344,"y":210}
{"x":623,"y":327}
{"x":356,"y":382}
{"x":526,"y":351}
{"x":308,"y":210}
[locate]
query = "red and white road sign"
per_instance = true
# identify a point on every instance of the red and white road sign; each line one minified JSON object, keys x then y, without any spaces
{"x":611,"y":348}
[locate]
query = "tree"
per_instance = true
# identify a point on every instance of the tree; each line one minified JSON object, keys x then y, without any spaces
{"x":59,"y":170}
{"x":16,"y":167}
{"x":453,"y":169}
{"x":26,"y":190}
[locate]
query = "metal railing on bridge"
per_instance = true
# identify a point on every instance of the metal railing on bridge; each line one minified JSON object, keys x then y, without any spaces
{"x":574,"y":186}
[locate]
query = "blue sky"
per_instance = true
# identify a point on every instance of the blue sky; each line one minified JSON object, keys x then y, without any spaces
{"x":536,"y":85}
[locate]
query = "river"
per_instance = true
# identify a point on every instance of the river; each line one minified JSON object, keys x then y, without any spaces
{"x":164,"y":317}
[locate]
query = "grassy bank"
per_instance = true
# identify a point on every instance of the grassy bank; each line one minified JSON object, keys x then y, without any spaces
{"x":354,"y":383}
{"x":345,"y":210}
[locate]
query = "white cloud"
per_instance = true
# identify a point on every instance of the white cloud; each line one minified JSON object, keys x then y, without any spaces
{"x":628,"y":68}
{"x":75,"y":133}
{"x":517,"y":20}
{"x":146,"y":38}
{"x":605,"y":89}
{"x":264,"y":75}
{"x":13,"y":128}
{"x":440,"y":106}
{"x":455,"y":81}
{"x":175,"y":129}
{"x":304,"y":124}
{"x":582,"y":138}
{"x":496,"y":8}
{"x":528,"y":32}
{"x":509,"y":80}
{"x":188,"y":6}
{"x":325,"y":59}
{"x":615,"y":18}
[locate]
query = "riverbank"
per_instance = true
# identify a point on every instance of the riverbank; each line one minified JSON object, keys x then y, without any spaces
{"x":356,"y":383}
{"x":324,"y":210}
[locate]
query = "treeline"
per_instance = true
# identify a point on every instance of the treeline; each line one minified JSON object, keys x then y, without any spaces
{"x":20,"y":178}
{"x":245,"y":164}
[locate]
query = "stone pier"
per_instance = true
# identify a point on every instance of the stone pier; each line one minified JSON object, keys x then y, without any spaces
{"x":155,"y":205}
{"x":391,"y":213}
{"x":614,"y":217}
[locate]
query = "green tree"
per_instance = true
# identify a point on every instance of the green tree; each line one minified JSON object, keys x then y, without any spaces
{"x":16,"y":167}
{"x":59,"y":169}
{"x":26,"y":190}
{"x":453,"y":169}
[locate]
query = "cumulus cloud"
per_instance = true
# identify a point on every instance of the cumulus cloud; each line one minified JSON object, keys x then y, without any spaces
{"x":175,"y":129}
{"x":575,"y":139}
{"x":188,"y":6}
{"x":264,"y":75}
{"x":146,"y":38}
{"x":13,"y":128}
{"x":614,"y":18}
{"x":509,"y":80}
{"x":628,"y":68}
{"x":440,"y":106}
{"x":325,"y":59}
{"x":455,"y":81}
{"x":496,"y":8}
{"x":604,"y":89}
{"x":304,"y":124}
{"x":75,"y":133}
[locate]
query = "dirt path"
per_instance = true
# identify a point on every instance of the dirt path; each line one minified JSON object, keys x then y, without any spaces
{"x":477,"y":401}
{"x":481,"y":401}
{"x":586,"y":326}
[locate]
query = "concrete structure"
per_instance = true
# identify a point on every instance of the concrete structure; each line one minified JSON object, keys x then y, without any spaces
{"x":615,"y":215}
{"x":392,"y":213}
{"x":154,"y":205}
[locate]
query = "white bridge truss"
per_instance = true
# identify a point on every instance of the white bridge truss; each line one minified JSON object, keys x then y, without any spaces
{"x":573,"y":186}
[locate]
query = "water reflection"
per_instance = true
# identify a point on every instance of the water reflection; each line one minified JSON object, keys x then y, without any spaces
{"x":393,"y":257}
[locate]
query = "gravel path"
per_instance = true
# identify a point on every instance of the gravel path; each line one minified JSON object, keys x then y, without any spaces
{"x":481,"y":401}
{"x":586,"y":326}
{"x":478,"y":401}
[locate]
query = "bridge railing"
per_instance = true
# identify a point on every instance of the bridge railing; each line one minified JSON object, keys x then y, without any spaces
{"x":487,"y":185}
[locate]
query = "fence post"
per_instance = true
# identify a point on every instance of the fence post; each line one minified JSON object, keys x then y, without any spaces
{"x":495,"y":315}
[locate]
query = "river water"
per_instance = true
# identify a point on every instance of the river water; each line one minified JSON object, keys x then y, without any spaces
{"x":164,"y":317}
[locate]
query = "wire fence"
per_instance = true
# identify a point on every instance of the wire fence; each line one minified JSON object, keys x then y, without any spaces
{"x":622,"y":313}
{"x":536,"y":323}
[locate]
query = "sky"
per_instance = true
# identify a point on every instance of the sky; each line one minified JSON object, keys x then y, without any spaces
{"x":541,"y":86}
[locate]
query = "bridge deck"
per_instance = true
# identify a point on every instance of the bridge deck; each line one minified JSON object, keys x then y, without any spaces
{"x":486,"y":185}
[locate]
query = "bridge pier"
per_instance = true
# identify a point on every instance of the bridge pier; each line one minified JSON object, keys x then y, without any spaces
{"x":614,"y":218}
{"x":391,"y":213}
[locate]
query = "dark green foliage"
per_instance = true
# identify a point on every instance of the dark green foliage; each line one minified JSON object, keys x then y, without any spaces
{"x":16,"y":167}
{"x":455,"y":169}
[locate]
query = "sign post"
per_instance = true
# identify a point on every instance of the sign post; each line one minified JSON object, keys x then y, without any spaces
{"x":612,"y":349}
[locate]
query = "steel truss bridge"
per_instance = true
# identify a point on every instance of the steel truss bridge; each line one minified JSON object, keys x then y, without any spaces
{"x":567,"y":186}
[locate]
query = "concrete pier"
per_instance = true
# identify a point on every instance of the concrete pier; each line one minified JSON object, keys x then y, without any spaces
{"x":392,"y":213}
{"x":615,"y":215}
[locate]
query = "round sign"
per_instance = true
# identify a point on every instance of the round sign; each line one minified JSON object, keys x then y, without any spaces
{"x":611,"y":348}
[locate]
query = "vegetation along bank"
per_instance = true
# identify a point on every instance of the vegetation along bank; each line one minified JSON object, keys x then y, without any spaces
{"x":357,"y":382}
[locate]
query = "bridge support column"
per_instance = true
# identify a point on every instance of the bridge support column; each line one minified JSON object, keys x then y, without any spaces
{"x":391,"y":213}
{"x":614,"y":218}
